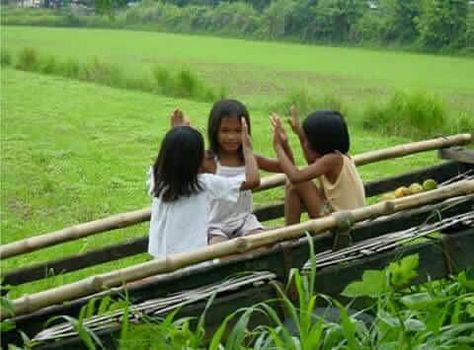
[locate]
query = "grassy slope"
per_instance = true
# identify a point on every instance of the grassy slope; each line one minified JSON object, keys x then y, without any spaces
{"x":260,"y":71}
{"x":73,"y":152}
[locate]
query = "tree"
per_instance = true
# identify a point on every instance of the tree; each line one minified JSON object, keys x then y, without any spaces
{"x":442,"y":23}
{"x":399,"y":19}
{"x":335,"y":19}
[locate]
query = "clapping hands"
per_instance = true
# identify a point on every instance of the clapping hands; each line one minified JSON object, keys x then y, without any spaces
{"x":178,"y":118}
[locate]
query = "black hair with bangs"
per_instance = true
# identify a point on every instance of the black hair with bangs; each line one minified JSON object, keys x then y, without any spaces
{"x":223,"y":109}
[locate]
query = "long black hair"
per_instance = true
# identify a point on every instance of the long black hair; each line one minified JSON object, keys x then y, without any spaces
{"x":222,"y":109}
{"x":176,"y":168}
{"x":326,"y":132}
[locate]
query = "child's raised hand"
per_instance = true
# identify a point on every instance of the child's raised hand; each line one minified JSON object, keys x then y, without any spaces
{"x":178,"y":118}
{"x":294,"y":120}
{"x":277,"y":130}
{"x":246,"y":141}
{"x":276,"y":122}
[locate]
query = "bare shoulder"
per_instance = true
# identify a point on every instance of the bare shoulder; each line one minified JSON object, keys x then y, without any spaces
{"x":334,"y":162}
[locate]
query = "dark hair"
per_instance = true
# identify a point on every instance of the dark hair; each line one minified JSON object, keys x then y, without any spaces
{"x":176,"y":168}
{"x":326,"y":132}
{"x":222,"y":109}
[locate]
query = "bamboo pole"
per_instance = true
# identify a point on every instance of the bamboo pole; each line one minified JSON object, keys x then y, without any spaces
{"x":384,"y":154}
{"x":131,"y":218}
{"x":74,"y":232}
{"x":33,"y":302}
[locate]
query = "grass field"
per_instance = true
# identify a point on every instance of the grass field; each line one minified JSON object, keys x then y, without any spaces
{"x":258,"y":72}
{"x":75,"y":151}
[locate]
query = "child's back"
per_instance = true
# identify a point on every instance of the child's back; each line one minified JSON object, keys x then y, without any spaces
{"x":181,"y":225}
{"x":347,"y":192}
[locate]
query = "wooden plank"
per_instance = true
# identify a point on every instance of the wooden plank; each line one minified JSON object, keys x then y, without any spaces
{"x":68,"y":264}
{"x":458,"y":154}
{"x":332,"y":280}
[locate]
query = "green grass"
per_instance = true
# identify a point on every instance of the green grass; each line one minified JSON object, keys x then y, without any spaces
{"x":257,"y":72}
{"x":74,"y":152}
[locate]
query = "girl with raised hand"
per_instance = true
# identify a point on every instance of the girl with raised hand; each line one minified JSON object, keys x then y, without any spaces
{"x":324,"y":138}
{"x":182,"y":194}
{"x":225,"y":158}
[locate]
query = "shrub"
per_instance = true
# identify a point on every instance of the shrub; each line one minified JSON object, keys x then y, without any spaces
{"x":70,"y":69}
{"x":414,"y":115}
{"x":307,"y":103}
{"x":101,"y":72}
{"x":27,"y":59}
{"x":5,"y":58}
{"x":48,"y":65}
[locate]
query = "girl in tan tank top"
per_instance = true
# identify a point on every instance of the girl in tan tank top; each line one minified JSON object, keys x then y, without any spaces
{"x":325,"y":141}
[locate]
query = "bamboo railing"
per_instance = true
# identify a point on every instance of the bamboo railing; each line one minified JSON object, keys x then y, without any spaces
{"x":33,"y":302}
{"x":134,"y":217}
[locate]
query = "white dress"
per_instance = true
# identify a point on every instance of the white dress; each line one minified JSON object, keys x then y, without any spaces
{"x":181,"y":226}
{"x":232,"y":219}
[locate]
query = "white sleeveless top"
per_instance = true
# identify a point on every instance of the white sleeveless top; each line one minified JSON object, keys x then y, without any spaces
{"x":224,"y":213}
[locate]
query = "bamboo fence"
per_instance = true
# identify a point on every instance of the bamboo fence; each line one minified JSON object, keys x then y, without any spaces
{"x":343,"y":219}
{"x":134,"y":217}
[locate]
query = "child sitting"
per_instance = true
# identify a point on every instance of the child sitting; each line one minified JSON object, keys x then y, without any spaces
{"x":325,"y":141}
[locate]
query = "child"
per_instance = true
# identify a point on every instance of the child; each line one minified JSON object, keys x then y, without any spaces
{"x":181,"y":194}
{"x":225,"y":158}
{"x":325,"y":141}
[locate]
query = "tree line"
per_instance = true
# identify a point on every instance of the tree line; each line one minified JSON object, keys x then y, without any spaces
{"x":427,"y":24}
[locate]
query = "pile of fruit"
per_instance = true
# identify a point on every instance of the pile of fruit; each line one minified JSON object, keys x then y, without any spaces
{"x":414,"y":188}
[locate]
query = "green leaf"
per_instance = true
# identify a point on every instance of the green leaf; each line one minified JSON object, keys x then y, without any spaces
{"x":373,"y":285}
{"x":403,"y":271}
{"x":420,"y":301}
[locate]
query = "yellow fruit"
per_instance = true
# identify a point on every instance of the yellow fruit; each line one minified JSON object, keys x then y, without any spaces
{"x":388,"y":196}
{"x":402,"y":192}
{"x":415,"y":188}
{"x":430,"y":184}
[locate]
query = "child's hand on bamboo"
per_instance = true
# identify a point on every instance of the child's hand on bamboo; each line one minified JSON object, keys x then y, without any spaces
{"x":178,"y":118}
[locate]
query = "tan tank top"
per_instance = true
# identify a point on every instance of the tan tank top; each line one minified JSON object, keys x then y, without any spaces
{"x":348,"y":190}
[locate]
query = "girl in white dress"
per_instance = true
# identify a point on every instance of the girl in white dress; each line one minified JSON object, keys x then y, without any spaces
{"x":225,"y":158}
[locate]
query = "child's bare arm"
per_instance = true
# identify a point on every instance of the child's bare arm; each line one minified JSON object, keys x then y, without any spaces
{"x":252,"y":177}
{"x":295,"y":125}
{"x":295,"y":175}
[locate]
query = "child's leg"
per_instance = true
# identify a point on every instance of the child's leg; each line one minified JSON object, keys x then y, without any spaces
{"x":216,"y":235}
{"x":299,"y":196}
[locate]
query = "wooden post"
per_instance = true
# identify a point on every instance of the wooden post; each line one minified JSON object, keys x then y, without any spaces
{"x":33,"y":302}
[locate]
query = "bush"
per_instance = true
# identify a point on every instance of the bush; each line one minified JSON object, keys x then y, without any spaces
{"x":5,"y":58}
{"x":307,"y":103}
{"x":27,"y":60}
{"x":412,"y":115}
{"x":70,"y":69}
{"x":48,"y":65}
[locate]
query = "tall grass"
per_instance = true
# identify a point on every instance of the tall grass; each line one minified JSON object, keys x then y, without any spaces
{"x":307,"y":103}
{"x":182,"y":83}
{"x":415,"y":115}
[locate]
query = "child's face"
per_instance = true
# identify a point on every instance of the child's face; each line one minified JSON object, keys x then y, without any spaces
{"x":229,"y":134}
